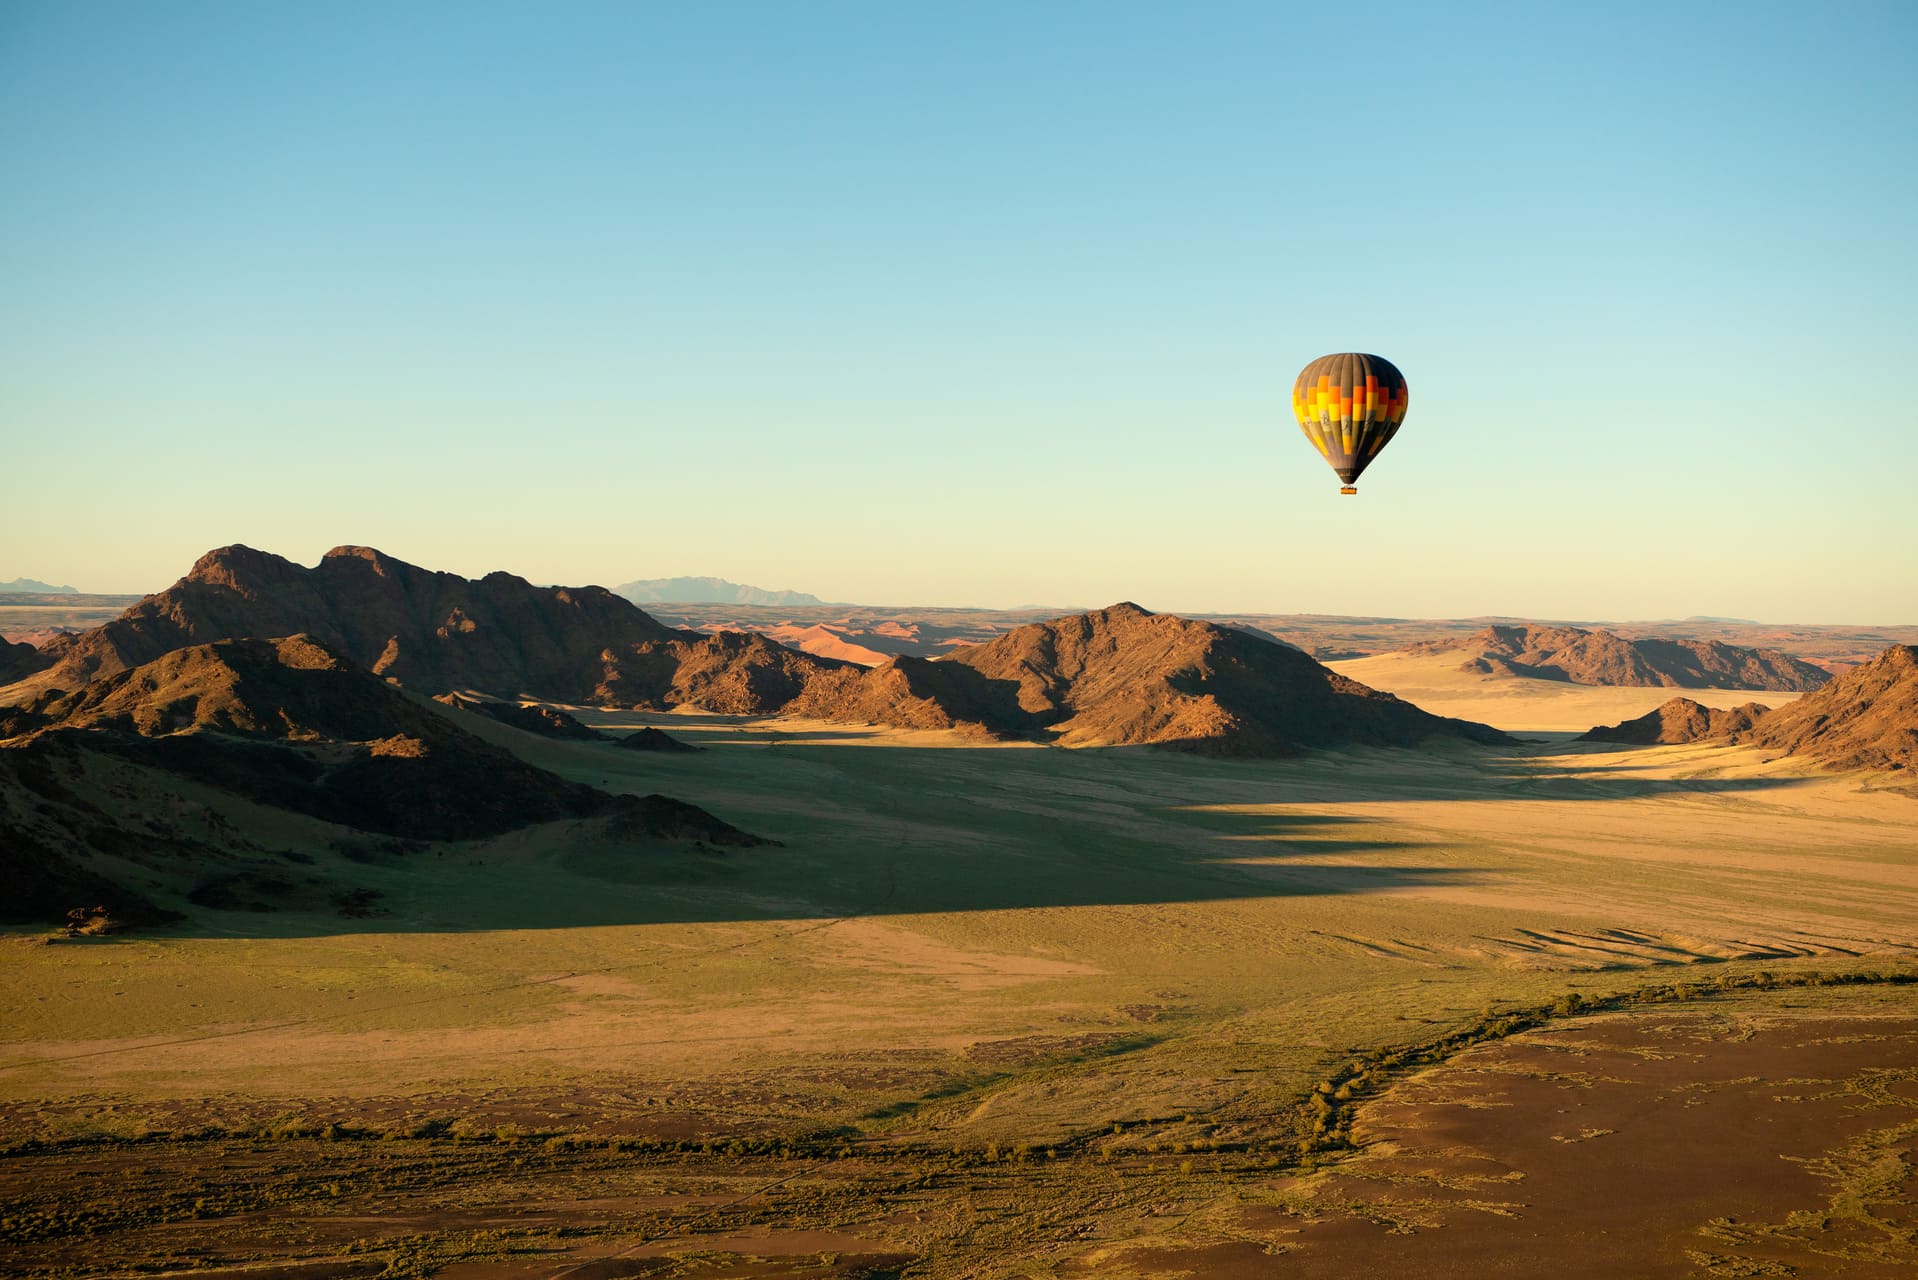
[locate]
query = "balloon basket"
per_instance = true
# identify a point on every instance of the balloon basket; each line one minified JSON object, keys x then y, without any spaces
{"x":1348,"y":489}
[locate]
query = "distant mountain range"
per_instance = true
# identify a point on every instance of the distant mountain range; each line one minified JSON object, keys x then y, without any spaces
{"x":1115,"y":676}
{"x":25,"y":586}
{"x":1578,"y":656}
{"x":707,"y":591}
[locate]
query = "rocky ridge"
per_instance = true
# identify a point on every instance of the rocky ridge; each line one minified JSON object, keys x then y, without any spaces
{"x":1124,"y":676}
{"x":1579,"y":656}
{"x":1864,"y":719}
{"x":439,"y":632}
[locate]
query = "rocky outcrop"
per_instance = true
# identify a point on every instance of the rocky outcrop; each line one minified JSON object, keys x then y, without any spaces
{"x":1679,"y":720}
{"x":650,"y":739}
{"x":1864,"y":719}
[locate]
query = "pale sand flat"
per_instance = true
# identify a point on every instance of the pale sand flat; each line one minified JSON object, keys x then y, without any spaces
{"x":1515,"y":704}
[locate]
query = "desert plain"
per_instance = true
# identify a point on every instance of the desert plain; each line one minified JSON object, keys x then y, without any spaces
{"x":998,"y":1009}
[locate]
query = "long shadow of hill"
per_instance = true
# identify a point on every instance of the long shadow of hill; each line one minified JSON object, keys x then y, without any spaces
{"x":909,"y":830}
{"x":816,"y":878}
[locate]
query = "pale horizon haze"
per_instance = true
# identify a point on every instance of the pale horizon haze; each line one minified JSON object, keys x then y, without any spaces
{"x":987,"y":305}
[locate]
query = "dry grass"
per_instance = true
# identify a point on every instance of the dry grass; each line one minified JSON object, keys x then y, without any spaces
{"x":959,"y":961}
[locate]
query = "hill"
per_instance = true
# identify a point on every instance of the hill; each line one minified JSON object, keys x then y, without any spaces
{"x":545,"y":722}
{"x":919,"y":693}
{"x":1579,"y":656}
{"x":25,"y":585}
{"x":1864,"y":719}
{"x":708,"y":591}
{"x":1680,"y":720}
{"x":1124,"y":676}
{"x":188,"y":771}
{"x":439,"y":632}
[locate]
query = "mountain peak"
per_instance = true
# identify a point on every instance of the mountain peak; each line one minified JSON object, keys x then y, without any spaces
{"x":241,"y":567}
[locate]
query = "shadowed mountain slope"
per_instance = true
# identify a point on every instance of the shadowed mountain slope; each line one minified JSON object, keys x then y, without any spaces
{"x":1578,"y":656}
{"x":1123,"y":676}
{"x":198,"y":762}
{"x":18,"y":661}
{"x":438,"y":632}
{"x":1864,"y":719}
{"x":1680,"y":720}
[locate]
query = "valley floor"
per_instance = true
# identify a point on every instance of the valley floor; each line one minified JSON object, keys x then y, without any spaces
{"x":984,"y":1011}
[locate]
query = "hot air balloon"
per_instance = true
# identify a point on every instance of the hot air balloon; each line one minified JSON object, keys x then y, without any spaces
{"x":1349,"y":406}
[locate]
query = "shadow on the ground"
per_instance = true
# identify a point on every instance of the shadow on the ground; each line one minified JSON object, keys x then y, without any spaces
{"x":901,"y":830}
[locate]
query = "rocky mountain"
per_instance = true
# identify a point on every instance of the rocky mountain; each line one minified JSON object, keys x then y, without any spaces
{"x":707,"y":590}
{"x":1579,"y":656}
{"x":730,"y":672}
{"x":1118,"y":676}
{"x":1680,"y":720}
{"x":434,"y":631}
{"x":183,"y":770}
{"x":1123,"y":676}
{"x":21,"y":586}
{"x":918,"y":693}
{"x":439,"y":632}
{"x":1864,"y":719}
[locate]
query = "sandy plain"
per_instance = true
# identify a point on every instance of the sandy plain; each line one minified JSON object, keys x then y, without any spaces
{"x":1434,"y":682}
{"x":983,"y":1012}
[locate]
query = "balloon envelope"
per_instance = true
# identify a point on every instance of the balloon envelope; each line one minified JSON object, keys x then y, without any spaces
{"x":1349,"y":406}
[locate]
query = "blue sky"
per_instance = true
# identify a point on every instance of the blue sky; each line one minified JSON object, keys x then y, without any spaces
{"x":982,"y":304}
